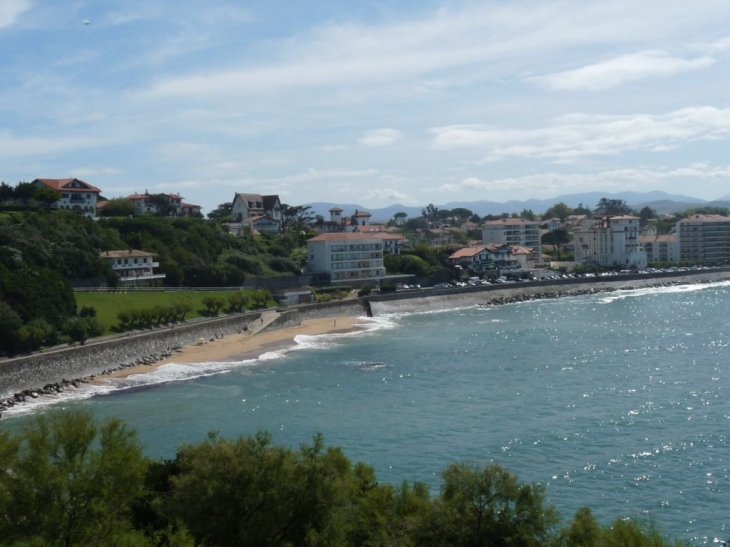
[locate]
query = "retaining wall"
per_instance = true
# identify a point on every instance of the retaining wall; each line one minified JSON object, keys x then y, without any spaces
{"x":37,"y":370}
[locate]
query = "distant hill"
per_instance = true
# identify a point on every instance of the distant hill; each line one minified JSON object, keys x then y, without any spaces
{"x":665,"y":203}
{"x":724,"y":202}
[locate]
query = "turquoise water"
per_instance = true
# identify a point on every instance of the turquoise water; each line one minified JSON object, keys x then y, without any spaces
{"x":618,"y":401}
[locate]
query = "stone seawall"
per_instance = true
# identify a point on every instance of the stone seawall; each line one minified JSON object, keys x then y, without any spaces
{"x":35,"y":371}
{"x":358,"y":307}
{"x":426,"y":300}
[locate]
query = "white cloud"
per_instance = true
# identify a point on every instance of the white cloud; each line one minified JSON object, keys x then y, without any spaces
{"x":721,"y":44}
{"x":10,"y":10}
{"x":383,"y":194}
{"x":40,"y":147}
{"x":94,"y":171}
{"x":500,"y":39}
{"x":381,"y":137}
{"x":578,"y":135}
{"x":620,"y":70}
{"x":551,"y":184}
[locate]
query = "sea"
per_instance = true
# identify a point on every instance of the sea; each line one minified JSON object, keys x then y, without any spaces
{"x":617,"y":401}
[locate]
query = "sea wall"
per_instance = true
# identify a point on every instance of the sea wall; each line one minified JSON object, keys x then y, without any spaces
{"x":49,"y":367}
{"x":435,"y":299}
{"x":338,"y":308}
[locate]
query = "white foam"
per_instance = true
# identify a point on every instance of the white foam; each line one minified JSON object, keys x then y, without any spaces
{"x":648,"y":291}
{"x":180,"y":372}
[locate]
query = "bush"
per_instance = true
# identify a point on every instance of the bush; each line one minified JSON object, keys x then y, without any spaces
{"x":87,"y":311}
{"x":365,"y":291}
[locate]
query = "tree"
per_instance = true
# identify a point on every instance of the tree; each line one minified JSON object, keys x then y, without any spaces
{"x":69,"y":481}
{"x":162,"y":204}
{"x":489,"y":506}
{"x":296,"y":219}
{"x":47,"y":196}
{"x":6,"y":192}
{"x":222,"y":213}
{"x":559,"y":210}
{"x":461,"y":213}
{"x":581,"y":210}
{"x":556,"y":238}
{"x":430,"y":213}
{"x":24,"y":192}
{"x":400,"y":218}
{"x":612,"y":207}
{"x":118,"y":207}
{"x":583,"y":531}
{"x":646,"y":214}
{"x":248,"y":492}
{"x":10,"y":322}
{"x":527,"y":214}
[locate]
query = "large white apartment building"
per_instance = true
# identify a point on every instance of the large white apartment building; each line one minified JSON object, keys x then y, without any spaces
{"x":346,"y":257}
{"x":513,"y":232}
{"x":663,"y":248}
{"x":704,"y":238}
{"x":609,"y":241}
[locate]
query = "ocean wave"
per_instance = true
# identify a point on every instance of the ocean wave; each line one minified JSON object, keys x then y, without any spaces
{"x":650,"y":291}
{"x":181,"y":372}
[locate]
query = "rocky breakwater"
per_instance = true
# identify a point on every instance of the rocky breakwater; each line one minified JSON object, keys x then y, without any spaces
{"x":494,"y":295}
{"x":57,"y":388}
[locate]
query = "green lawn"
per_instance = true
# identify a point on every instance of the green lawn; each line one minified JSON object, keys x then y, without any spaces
{"x":108,"y":305}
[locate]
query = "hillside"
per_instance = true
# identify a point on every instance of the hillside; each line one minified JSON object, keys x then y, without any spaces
{"x":43,"y":254}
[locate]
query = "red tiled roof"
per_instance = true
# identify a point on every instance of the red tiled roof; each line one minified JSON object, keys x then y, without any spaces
{"x":62,"y":185}
{"x":468,"y":252}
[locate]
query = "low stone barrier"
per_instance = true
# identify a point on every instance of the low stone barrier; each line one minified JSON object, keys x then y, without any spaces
{"x":53,"y":367}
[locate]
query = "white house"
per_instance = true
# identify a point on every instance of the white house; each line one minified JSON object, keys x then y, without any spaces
{"x":510,"y":257}
{"x":513,"y":231}
{"x":338,"y":223}
{"x":609,"y":241}
{"x":477,"y":259}
{"x":133,"y":266}
{"x":346,"y":257}
{"x":247,"y":208}
{"x":76,"y":195}
{"x":147,"y":203}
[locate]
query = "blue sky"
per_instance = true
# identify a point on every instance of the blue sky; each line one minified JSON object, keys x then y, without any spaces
{"x":375,"y":103}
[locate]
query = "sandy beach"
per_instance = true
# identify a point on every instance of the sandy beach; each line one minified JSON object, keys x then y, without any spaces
{"x":242,"y":346}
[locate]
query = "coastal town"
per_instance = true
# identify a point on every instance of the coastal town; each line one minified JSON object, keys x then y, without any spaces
{"x":350,"y":248}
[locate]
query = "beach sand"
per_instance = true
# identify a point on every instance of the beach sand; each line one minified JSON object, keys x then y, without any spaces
{"x":242,"y":346}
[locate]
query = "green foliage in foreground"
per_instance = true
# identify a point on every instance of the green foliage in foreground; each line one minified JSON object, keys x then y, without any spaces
{"x":70,"y":481}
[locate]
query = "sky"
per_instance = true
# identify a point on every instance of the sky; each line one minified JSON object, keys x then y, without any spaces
{"x":368,"y":102}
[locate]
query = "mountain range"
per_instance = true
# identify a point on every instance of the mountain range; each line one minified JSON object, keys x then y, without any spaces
{"x":661,"y":202}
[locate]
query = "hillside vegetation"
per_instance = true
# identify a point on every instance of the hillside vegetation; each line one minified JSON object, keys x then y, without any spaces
{"x":71,"y":481}
{"x":44,"y":253}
